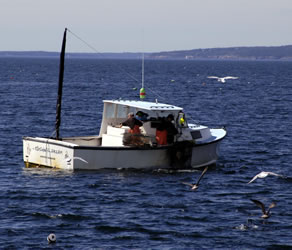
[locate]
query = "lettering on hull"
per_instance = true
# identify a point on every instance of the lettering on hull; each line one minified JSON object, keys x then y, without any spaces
{"x":47,"y":150}
{"x":49,"y":158}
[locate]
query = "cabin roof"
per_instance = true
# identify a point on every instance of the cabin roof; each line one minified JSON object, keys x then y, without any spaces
{"x":145,"y":105}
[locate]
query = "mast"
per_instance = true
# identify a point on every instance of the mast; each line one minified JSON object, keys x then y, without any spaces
{"x":60,"y":88}
{"x":143,"y":70}
{"x":142,"y":90}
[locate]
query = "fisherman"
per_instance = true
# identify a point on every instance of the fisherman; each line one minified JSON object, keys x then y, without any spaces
{"x":133,"y":123}
{"x":161,"y":133}
{"x":166,"y":131}
{"x":170,"y":128}
{"x":141,"y":116}
{"x":134,"y":138}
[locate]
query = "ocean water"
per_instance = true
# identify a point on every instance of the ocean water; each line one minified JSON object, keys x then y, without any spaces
{"x":128,"y":209}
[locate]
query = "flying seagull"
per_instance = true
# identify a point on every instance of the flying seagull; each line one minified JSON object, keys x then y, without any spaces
{"x":264,"y":174}
{"x":266,"y":213}
{"x":196,"y":185}
{"x":222,"y":79}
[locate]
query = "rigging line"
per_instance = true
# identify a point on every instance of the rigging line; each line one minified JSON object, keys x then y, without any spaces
{"x":95,"y":50}
{"x":128,"y":73}
{"x":53,"y":133}
{"x":83,"y":41}
{"x":190,"y":118}
{"x":163,"y":98}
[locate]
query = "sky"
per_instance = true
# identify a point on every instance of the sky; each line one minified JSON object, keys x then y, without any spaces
{"x":143,"y":25}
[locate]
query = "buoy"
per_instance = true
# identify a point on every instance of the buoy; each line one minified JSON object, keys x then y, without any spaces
{"x":142,"y":93}
{"x":51,"y":238}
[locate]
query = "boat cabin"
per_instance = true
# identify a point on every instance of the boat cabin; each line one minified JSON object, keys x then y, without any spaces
{"x":116,"y":111}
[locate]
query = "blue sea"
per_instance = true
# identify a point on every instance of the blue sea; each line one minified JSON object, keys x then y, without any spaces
{"x":151,"y":209}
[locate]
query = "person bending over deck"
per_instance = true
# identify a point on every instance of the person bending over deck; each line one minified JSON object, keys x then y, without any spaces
{"x":133,"y":123}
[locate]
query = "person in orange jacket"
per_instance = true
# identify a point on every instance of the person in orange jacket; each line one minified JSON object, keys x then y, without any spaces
{"x":133,"y":123}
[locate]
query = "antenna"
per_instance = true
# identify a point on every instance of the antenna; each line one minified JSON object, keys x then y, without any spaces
{"x":143,"y":70}
{"x":142,"y":90}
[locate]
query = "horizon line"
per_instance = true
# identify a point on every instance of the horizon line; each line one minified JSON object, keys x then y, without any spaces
{"x":129,"y":52}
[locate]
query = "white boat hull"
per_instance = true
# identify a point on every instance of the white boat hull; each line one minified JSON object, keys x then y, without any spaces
{"x":53,"y":153}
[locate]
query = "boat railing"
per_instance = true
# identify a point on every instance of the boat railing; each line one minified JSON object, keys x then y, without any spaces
{"x":84,"y":140}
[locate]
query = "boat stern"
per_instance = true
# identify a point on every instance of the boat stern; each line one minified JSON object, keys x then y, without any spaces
{"x":45,"y":152}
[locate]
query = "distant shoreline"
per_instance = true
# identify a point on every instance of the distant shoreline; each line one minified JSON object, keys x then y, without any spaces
{"x":279,"y":53}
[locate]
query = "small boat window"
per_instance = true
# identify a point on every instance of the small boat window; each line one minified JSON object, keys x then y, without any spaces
{"x":133,"y":110}
{"x":122,"y":111}
{"x":196,"y":135}
{"x":110,"y":110}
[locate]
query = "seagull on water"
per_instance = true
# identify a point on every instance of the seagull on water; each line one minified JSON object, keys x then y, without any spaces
{"x":266,"y":213}
{"x":247,"y":226}
{"x":264,"y":174}
{"x":222,"y":79}
{"x":196,"y":185}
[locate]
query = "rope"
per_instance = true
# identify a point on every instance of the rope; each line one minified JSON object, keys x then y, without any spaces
{"x":95,"y":50}
{"x":130,"y":75}
{"x":163,"y":98}
{"x":84,"y":42}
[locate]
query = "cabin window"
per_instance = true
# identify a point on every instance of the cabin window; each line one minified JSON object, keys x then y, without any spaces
{"x":132,"y":109}
{"x":196,"y":135}
{"x":110,"y":110}
{"x":122,"y":111}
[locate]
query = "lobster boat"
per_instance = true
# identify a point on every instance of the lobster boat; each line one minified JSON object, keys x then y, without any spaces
{"x":117,"y":147}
